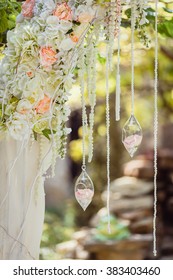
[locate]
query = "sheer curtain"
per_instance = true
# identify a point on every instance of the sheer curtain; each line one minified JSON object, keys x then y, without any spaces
{"x":22,"y":198}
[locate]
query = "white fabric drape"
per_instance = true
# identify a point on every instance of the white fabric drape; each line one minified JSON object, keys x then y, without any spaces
{"x":22,"y":203}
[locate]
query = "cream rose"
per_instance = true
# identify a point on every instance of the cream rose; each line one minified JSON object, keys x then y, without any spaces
{"x":24,"y":107}
{"x":19,"y":127}
{"x":85,"y":17}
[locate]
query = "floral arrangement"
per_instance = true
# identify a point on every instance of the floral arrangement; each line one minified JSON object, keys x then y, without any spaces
{"x":51,"y":39}
{"x":36,"y":73}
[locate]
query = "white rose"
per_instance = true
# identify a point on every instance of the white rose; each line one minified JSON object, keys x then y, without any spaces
{"x":52,"y":20}
{"x":18,"y":127}
{"x":67,"y":44}
{"x":24,"y":106}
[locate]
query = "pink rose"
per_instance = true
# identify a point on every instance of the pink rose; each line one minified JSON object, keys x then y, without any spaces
{"x":47,"y":56}
{"x":63,"y":12}
{"x":44,"y":105}
{"x":27,"y":8}
{"x":85,"y":18}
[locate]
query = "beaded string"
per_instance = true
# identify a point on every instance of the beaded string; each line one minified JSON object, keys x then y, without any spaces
{"x":84,"y":115}
{"x":132,"y":54}
{"x":118,"y":78}
{"x":155,"y":130}
{"x":108,"y":137}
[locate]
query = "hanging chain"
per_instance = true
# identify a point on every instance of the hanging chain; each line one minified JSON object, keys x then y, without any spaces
{"x":155,"y":130}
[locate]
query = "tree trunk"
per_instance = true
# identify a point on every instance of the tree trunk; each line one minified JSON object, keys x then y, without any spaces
{"x":22,"y":199}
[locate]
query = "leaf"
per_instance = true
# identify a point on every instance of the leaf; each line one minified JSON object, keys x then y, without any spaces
{"x":166,"y":28}
{"x":47,"y":132}
{"x":3,"y":4}
{"x":101,"y":59}
{"x":35,"y":135}
{"x":3,"y":21}
{"x":11,"y":24}
{"x":151,"y":14}
{"x":168,"y":10}
{"x":128,"y":13}
{"x":70,"y":31}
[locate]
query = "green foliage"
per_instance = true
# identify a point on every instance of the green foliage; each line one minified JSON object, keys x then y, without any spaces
{"x":58,"y":227}
{"x":9,"y":9}
{"x":118,"y":230}
{"x":47,"y":133}
{"x":166,"y":28}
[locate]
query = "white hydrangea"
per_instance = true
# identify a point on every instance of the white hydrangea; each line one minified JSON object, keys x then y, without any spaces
{"x":44,"y":8}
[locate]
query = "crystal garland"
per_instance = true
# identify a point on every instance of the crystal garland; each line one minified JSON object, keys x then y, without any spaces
{"x":118,"y":77}
{"x":84,"y":188}
{"x":111,"y":19}
{"x":91,"y":73}
{"x":81,"y":74}
{"x":155,"y":130}
{"x":108,"y":137}
{"x":132,"y":132}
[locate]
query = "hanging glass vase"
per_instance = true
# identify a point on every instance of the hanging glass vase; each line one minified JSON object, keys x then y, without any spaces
{"x":84,"y":189}
{"x":132,"y":135}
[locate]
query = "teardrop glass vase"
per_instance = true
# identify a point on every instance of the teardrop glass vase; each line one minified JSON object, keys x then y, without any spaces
{"x":84,"y":190}
{"x":132,"y":135}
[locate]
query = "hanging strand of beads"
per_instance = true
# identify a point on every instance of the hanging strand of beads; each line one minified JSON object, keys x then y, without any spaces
{"x":84,"y":188}
{"x":132,"y":132}
{"x":82,"y":90}
{"x":111,"y":31}
{"x":118,"y":77}
{"x":133,"y":8}
{"x":155,"y":130}
{"x":92,"y":92}
{"x":108,"y":137}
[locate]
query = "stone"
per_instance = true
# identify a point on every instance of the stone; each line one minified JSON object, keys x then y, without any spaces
{"x":142,"y":226}
{"x":136,"y":215}
{"x":82,"y":235}
{"x":133,"y":248}
{"x":139,"y":168}
{"x":130,"y":187}
{"x":81,"y":254}
{"x":124,"y":204}
{"x":67,"y":249}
